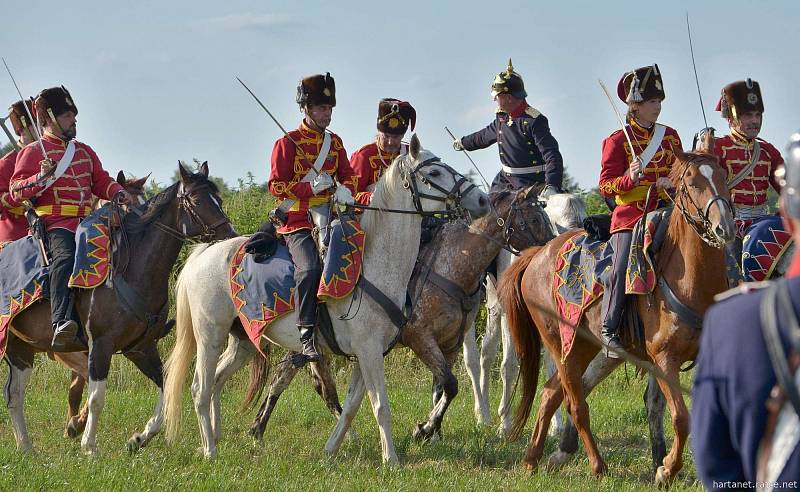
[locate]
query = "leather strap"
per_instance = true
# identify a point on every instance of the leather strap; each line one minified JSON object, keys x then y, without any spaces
{"x":653,"y":146}
{"x":684,"y":312}
{"x":749,"y":167}
{"x":777,"y":299}
{"x":318,"y":163}
{"x":61,"y":168}
{"x":523,"y":170}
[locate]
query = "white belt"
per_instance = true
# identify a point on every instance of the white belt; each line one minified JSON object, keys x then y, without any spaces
{"x":747,"y":212}
{"x":523,"y":170}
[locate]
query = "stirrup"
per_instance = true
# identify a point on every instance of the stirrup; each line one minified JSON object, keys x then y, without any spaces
{"x":65,"y":334}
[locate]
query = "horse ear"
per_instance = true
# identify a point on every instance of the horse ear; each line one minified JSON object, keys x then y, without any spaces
{"x":139,"y":183}
{"x":414,"y":147}
{"x":204,"y":169}
{"x":184,"y":173}
{"x":121,"y":178}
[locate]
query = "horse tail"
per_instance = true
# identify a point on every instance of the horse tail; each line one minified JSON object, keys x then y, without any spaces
{"x":181,"y":356}
{"x":259,"y":372}
{"x":527,"y":341}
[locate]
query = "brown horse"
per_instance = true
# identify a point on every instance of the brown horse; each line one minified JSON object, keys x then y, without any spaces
{"x":691,"y":263}
{"x":130,"y":317}
{"x":446,"y":283}
{"x":22,"y":355}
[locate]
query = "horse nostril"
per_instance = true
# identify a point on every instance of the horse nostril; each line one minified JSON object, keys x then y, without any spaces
{"x":482,"y":201}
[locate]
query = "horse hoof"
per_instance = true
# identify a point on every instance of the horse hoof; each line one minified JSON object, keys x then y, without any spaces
{"x":26,"y":447}
{"x":90,"y":451}
{"x":420,"y":434}
{"x":663,"y":479}
{"x":71,"y":432}
{"x":135,"y":444}
{"x":558,"y":459}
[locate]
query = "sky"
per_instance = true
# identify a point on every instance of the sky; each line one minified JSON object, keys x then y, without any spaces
{"x":154,"y":81}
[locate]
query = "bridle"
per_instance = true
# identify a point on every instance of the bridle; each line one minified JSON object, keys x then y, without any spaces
{"x":185,"y":204}
{"x":698,"y":218}
{"x":452,"y":197}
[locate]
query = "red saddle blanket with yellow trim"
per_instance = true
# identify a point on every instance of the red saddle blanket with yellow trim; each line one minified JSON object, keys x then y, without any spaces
{"x":583,"y":266}
{"x":264,"y":291}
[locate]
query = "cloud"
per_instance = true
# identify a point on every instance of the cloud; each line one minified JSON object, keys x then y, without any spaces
{"x":246,"y":22}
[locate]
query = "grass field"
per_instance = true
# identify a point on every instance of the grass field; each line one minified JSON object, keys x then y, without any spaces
{"x":291,"y":456}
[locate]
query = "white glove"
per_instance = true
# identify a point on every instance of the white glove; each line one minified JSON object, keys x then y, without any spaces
{"x":458,"y":145}
{"x":343,"y":195}
{"x":321,"y":182}
{"x":547,"y":192}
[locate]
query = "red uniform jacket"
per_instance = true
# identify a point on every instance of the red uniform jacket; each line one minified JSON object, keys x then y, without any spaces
{"x":734,"y":154}
{"x":368,"y":165}
{"x":615,"y":182}
{"x":64,"y":204}
{"x":289,"y":168}
{"x":13,"y":224}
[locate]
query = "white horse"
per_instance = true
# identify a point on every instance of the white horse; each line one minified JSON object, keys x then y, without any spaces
{"x":205,"y":311}
{"x":565,"y":211}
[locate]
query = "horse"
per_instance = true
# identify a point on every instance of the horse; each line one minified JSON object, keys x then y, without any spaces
{"x":566,"y":211}
{"x":691,"y":264}
{"x":447,"y":283}
{"x":22,"y":355}
{"x":205,"y":317}
{"x":130,"y":317}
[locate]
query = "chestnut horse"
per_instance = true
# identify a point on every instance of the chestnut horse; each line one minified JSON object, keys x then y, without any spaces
{"x":691,"y":263}
{"x":21,"y":355}
{"x":130,"y":318}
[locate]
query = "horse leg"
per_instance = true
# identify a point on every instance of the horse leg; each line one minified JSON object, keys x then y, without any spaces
{"x":100,"y":352}
{"x":673,"y":462}
{"x":472,"y":363}
{"x":19,"y":357}
{"x":325,"y":385}
{"x":282,"y":376}
{"x":446,"y":388}
{"x":149,"y":362}
{"x":550,"y":401}
{"x":355,"y":394}
{"x":655,"y":402}
{"x":509,"y":368}
{"x":236,"y":355}
{"x":489,"y":346}
{"x":209,"y":347}
{"x":599,"y":368}
{"x":557,"y":424}
{"x":373,"y":371}
{"x":78,"y":364}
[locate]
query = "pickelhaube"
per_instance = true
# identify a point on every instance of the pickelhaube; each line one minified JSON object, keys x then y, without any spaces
{"x":395,"y":116}
{"x":316,"y":89}
{"x":641,"y":84}
{"x":19,"y":116}
{"x":55,"y":100}
{"x":740,"y":97}
{"x":509,"y":82}
{"x":791,"y":177}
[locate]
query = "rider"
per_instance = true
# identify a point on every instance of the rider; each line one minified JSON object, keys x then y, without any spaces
{"x":751,"y":162}
{"x":12,"y":215}
{"x":292,"y":178}
{"x":528,"y":151}
{"x":627,"y":180}
{"x":734,"y":375}
{"x":369,"y":162}
{"x":62,"y":195}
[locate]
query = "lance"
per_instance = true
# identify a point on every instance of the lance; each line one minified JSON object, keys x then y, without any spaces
{"x":27,"y":111}
{"x":621,"y":123}
{"x":707,"y":134}
{"x":470,"y":158}
{"x":8,"y":133}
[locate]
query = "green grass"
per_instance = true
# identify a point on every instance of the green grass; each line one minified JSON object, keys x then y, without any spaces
{"x":291,"y":455}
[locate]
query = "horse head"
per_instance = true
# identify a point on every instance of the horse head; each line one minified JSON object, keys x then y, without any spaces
{"x":436,"y":186}
{"x":199,"y":205}
{"x":703,"y":198}
{"x":134,"y":186}
{"x":522,"y":218}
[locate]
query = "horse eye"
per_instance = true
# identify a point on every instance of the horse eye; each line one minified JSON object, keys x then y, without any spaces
{"x":434,"y":173}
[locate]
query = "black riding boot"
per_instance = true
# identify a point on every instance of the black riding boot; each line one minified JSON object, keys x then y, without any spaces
{"x":307,"y":340}
{"x":62,"y":259}
{"x":614,"y":296}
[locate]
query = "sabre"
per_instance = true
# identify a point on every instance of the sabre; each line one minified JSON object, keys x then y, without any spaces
{"x":27,"y":111}
{"x":8,"y":134}
{"x":621,"y":122}
{"x":285,"y":133}
{"x":706,"y":134}
{"x":469,"y":157}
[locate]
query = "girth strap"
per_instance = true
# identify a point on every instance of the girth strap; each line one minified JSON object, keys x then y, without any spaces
{"x":326,"y":330}
{"x":133,"y":303}
{"x":684,"y":312}
{"x":396,"y":315}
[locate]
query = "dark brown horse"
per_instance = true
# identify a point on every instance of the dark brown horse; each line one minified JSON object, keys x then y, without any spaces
{"x":446,"y":285}
{"x":691,"y":262}
{"x":22,"y":355}
{"x":130,"y":317}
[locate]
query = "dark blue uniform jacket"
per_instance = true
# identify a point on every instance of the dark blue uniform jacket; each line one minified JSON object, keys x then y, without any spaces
{"x":732,"y":382}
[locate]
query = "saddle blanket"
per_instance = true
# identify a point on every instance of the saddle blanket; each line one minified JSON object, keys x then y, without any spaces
{"x":763,"y":245}
{"x":23,"y":281}
{"x":263,"y":292}
{"x":583,"y":267}
{"x":92,"y":245}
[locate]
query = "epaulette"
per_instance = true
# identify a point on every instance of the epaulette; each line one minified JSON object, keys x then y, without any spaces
{"x":613,"y":133}
{"x":532,"y":112}
{"x":743,"y":288}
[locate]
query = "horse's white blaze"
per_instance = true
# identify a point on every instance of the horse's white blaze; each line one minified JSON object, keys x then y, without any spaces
{"x":708,"y":173}
{"x":15,"y":401}
{"x":216,"y":202}
{"x":97,"y":399}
